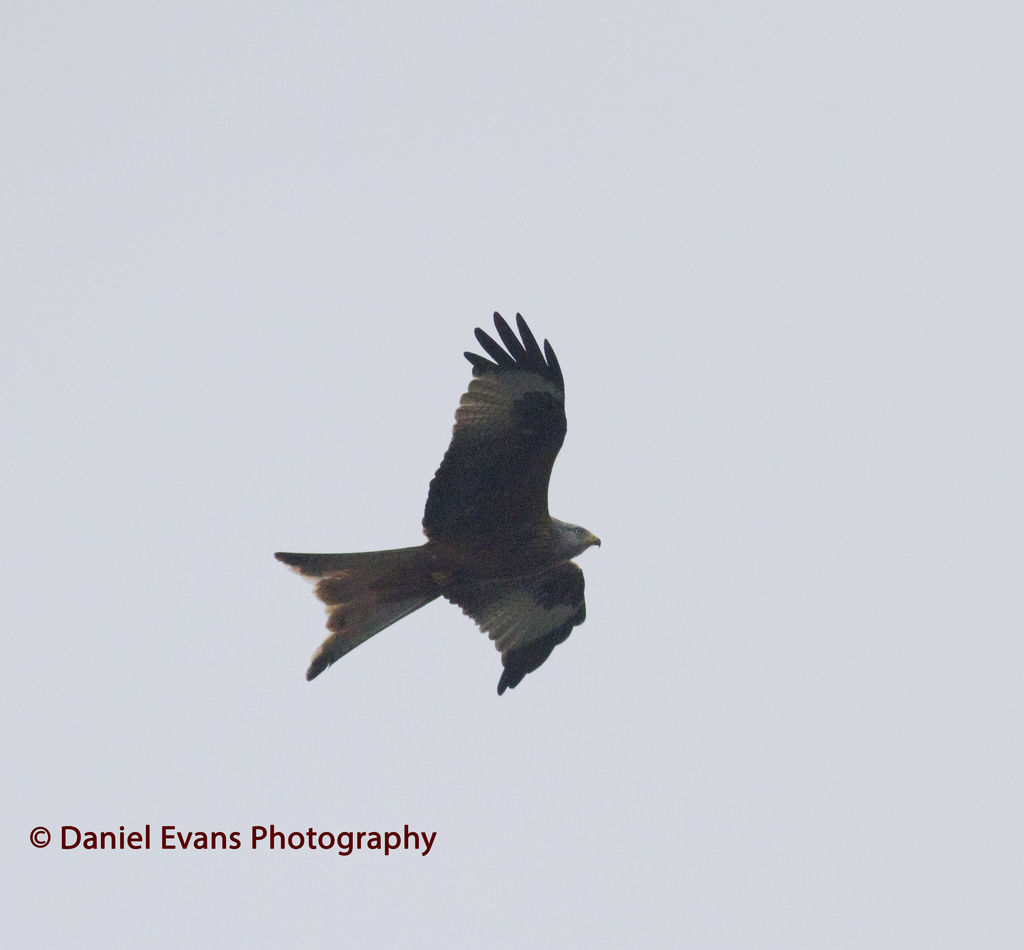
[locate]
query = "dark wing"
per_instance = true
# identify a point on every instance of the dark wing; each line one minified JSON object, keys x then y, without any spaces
{"x":509,"y":427}
{"x":526,"y":618}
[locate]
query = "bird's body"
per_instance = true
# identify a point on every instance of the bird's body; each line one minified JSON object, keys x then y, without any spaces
{"x":492,"y":548}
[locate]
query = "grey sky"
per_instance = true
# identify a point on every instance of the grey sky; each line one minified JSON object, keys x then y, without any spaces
{"x":777,"y":249}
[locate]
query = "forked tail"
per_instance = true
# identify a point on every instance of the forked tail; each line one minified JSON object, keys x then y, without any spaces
{"x":364,"y":593}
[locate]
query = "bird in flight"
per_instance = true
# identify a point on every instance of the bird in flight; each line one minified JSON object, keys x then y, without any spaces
{"x":492,"y":547}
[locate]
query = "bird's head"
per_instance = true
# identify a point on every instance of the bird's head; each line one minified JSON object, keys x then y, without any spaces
{"x":572,"y":539}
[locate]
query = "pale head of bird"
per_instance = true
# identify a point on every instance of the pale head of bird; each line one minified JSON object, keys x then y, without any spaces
{"x":572,"y":539}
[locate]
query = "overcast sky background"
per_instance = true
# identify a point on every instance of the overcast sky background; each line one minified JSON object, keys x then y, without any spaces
{"x":777,"y":248}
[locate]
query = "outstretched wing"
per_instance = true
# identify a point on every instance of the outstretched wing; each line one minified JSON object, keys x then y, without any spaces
{"x":526,"y":618}
{"x":509,"y":427}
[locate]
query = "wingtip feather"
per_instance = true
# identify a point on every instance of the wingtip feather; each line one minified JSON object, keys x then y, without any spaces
{"x":494,"y":349}
{"x":501,"y":323}
{"x":556,"y":369}
{"x":516,"y":354}
{"x":529,"y":340}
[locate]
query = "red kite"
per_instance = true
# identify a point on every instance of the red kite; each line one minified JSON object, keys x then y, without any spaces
{"x":492,"y":548}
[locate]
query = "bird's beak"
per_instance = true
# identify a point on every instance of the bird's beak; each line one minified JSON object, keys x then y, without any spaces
{"x":595,"y":540}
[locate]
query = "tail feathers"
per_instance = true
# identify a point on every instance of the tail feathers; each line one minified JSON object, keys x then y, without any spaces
{"x":357,"y":620}
{"x":375,"y":562}
{"x":364,"y":593}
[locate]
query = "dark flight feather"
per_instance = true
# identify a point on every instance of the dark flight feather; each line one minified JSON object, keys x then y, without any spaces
{"x":516,"y":349}
{"x":494,"y":350}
